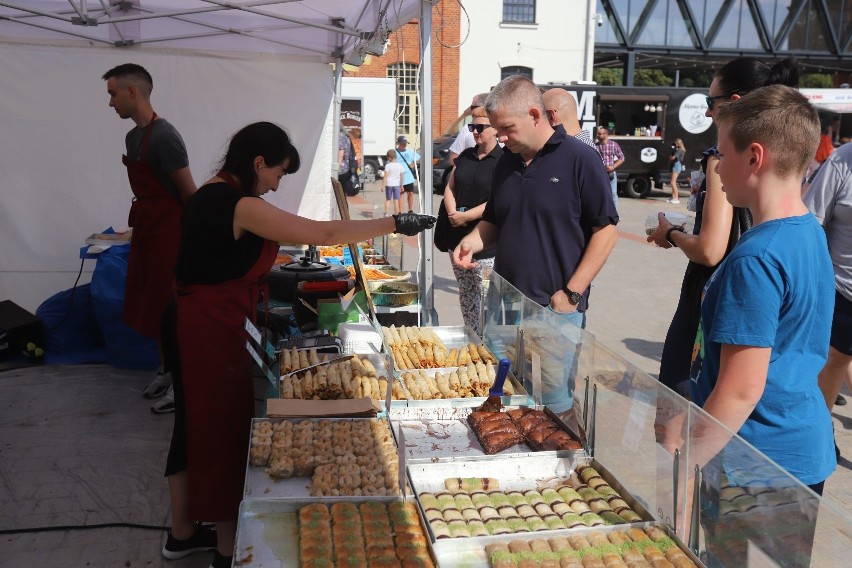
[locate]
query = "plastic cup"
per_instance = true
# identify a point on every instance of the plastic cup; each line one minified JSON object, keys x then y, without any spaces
{"x":673,"y":217}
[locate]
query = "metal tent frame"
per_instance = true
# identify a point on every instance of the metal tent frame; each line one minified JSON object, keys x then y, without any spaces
{"x":325,"y":31}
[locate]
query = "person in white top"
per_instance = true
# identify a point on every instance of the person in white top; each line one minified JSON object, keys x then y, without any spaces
{"x":392,"y":182}
{"x":465,"y":140}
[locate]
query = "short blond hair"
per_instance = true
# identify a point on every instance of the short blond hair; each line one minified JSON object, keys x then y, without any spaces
{"x":515,"y":95}
{"x":479,"y":112}
{"x":779,"y":118}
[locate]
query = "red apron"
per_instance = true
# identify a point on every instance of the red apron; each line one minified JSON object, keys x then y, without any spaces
{"x":155,"y":217}
{"x":218,"y":386}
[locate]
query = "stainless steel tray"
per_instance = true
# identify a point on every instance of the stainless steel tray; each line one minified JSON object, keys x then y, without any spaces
{"x":453,"y":336}
{"x":259,"y":485}
{"x":434,"y":434}
{"x":268,"y":531}
{"x":379,"y":361}
{"x":470,"y":552}
{"x":513,"y":472}
{"x":519,"y":398}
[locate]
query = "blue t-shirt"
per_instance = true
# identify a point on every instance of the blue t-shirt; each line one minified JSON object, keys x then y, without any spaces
{"x":776,"y":289}
{"x":410,"y":156}
{"x":545,"y":212}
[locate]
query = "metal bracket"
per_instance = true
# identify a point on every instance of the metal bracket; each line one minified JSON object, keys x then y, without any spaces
{"x":86,"y":21}
{"x":694,"y":522}
{"x":593,"y":429}
{"x":675,"y":480}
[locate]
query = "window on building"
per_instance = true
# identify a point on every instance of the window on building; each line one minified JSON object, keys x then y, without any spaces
{"x":516,"y":70}
{"x":406,"y":91}
{"x":522,"y":11}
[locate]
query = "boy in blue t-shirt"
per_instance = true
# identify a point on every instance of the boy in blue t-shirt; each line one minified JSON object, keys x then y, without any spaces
{"x":766,"y":312}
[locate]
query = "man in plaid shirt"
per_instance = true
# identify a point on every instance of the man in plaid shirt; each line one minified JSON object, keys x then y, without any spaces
{"x":612,"y":157}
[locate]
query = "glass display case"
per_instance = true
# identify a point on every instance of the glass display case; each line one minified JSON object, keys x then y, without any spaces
{"x":729,"y":502}
{"x":391,"y":247}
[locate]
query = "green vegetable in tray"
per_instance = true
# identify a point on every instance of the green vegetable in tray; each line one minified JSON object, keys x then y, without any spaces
{"x":385,"y":289}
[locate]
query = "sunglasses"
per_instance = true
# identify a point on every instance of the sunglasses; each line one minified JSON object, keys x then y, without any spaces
{"x":478,"y":127}
{"x":711,"y":101}
{"x":474,"y":107}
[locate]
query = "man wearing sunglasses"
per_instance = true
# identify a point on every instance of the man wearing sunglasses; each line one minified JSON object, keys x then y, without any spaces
{"x":464,"y":139}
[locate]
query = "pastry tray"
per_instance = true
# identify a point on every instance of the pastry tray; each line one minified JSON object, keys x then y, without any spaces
{"x":379,"y":361}
{"x":453,"y":336}
{"x":470,"y":552}
{"x":443,"y":434}
{"x":268,"y":531}
{"x":259,"y":485}
{"x":519,"y":398}
{"x":516,"y":472}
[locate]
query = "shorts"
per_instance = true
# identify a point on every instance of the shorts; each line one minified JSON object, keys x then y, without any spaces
{"x":677,"y":167}
{"x":408,"y":188}
{"x":392,"y":192}
{"x":841,"y":324}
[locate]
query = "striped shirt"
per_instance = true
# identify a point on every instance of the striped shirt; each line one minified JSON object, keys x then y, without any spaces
{"x":586,"y":138}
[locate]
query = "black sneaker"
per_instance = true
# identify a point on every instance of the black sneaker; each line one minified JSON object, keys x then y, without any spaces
{"x":203,"y":539}
{"x":220,"y":561}
{"x":840,"y":401}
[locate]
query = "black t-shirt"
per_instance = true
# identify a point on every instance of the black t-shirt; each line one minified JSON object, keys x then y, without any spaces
{"x":208,"y":253}
{"x":166,"y":151}
{"x":545,"y":213}
{"x":472,"y":187}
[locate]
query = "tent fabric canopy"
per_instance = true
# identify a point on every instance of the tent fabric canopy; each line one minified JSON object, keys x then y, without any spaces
{"x":216,"y":65}
{"x":318,"y":29}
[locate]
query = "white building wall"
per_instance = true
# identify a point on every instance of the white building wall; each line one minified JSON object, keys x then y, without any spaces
{"x":553,"y":47}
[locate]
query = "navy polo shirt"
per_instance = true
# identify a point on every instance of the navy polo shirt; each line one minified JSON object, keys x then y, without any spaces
{"x":545,"y":212}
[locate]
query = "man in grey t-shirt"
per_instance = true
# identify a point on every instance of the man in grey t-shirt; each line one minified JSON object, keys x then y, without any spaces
{"x":158,"y":171}
{"x":829,"y":197}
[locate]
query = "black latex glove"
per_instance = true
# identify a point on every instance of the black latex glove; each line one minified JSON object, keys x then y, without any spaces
{"x":412,"y":223}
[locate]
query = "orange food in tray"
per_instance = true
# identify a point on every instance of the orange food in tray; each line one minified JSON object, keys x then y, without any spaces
{"x":336,"y":250}
{"x":282,"y":258}
{"x":370,"y":273}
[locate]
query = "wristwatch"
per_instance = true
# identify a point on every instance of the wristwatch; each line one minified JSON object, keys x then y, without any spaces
{"x":669,"y":234}
{"x":573,"y":297}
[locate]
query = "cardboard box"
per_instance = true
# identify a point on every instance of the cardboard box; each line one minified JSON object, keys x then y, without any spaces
{"x":21,"y":328}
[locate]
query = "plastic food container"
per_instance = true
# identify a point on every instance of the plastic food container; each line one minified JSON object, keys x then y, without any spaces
{"x":673,"y":217}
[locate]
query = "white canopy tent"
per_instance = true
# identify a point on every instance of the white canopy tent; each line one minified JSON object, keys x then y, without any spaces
{"x":216,"y":66}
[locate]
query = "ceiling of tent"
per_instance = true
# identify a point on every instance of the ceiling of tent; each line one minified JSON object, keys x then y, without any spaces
{"x":320,"y":29}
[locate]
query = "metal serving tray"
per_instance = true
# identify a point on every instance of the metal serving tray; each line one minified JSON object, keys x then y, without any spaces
{"x":379,"y":361}
{"x":453,"y":336}
{"x":519,"y":398}
{"x":268,"y":531}
{"x":435,"y":434}
{"x":470,"y":552}
{"x":514,"y":472}
{"x":259,"y":485}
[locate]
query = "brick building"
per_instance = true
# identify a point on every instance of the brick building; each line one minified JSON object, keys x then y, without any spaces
{"x":402,"y":61}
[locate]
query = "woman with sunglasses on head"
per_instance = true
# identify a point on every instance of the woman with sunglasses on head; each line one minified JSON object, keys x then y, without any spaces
{"x":468,"y":189}
{"x":717,"y":224}
{"x":229,"y":242}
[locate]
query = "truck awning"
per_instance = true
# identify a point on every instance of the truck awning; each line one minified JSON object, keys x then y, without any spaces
{"x":636,"y":98}
{"x":839,"y":108}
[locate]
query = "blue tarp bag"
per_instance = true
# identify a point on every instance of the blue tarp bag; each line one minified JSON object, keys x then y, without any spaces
{"x":126,"y":348}
{"x":71,"y":332}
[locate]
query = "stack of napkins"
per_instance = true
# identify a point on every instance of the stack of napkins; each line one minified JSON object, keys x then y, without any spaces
{"x":359,"y":338}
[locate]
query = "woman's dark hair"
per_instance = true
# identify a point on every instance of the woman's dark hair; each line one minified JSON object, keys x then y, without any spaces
{"x":743,"y":74}
{"x":264,"y":139}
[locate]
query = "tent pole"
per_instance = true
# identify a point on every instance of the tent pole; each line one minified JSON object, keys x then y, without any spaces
{"x":429,"y":315}
{"x":335,"y":123}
